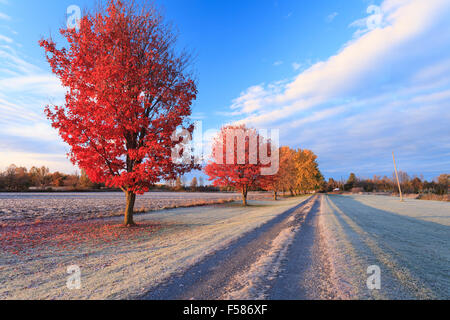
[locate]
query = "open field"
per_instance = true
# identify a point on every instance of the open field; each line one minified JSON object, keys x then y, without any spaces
{"x":322,"y":249}
{"x":32,"y":207}
{"x":120,"y":263}
{"x":409,"y":241}
{"x":300,"y":248}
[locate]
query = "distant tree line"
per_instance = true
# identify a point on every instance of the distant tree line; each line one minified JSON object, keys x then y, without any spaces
{"x":180,"y":184}
{"x":412,"y":185}
{"x":40,"y":178}
{"x":21,"y":179}
{"x":298,"y":173}
{"x":242,"y":168}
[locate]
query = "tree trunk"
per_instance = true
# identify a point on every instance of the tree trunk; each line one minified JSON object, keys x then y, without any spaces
{"x":244,"y":196}
{"x":131,"y":199}
{"x":275,"y":195}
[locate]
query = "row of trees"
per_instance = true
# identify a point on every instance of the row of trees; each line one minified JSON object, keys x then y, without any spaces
{"x":298,"y":173}
{"x":244,"y":160}
{"x":194,"y":185}
{"x":415,"y":184}
{"x":129,"y":88}
{"x":21,"y":179}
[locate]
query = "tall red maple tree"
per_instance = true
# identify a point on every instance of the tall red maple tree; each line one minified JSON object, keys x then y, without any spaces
{"x":236,"y":159}
{"x":127,"y":92}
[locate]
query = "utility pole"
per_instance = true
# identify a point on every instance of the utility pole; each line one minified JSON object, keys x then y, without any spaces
{"x":396,"y":175}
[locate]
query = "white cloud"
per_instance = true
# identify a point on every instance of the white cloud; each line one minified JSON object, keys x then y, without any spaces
{"x":278,"y":63}
{"x":296,"y":66}
{"x":40,"y":84}
{"x":5,"y":39}
{"x":331,"y":17}
{"x":4,"y":16}
{"x":26,"y":137}
{"x":56,"y":162}
{"x":358,"y":65}
{"x":11,"y":60}
{"x":402,"y":61}
{"x":38,"y":130}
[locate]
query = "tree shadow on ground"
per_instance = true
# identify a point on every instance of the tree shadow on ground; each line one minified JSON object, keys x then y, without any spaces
{"x":421,"y":246}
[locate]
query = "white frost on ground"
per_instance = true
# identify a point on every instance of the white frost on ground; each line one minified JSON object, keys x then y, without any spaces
{"x":409,"y":241}
{"x":265,"y":268}
{"x":432,"y":211}
{"x":346,"y":261}
{"x":249,"y":285}
{"x":119,"y":270}
{"x":29,"y":207}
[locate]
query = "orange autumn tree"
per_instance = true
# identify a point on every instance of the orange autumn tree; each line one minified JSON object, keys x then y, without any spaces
{"x":127,"y":92}
{"x":309,"y":177}
{"x":286,"y":177}
{"x":239,"y":159}
{"x":298,"y":173}
{"x":288,"y":171}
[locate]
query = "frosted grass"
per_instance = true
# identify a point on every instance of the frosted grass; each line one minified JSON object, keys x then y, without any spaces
{"x":31,"y":207}
{"x":123,"y":270}
{"x":410,"y":242}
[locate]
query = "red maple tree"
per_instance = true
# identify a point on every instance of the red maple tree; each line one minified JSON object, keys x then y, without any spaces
{"x":271,"y":183}
{"x":127,"y":92}
{"x":236,"y":160}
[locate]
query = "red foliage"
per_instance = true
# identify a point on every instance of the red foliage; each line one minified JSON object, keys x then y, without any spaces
{"x":241,"y":166}
{"x":127,"y":92}
{"x":69,"y":236}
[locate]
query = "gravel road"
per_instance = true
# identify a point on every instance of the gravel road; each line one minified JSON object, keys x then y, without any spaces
{"x":322,"y":249}
{"x":280,"y":260}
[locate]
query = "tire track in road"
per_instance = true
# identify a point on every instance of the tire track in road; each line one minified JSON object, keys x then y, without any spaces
{"x":307,"y":272}
{"x":263,"y":273}
{"x":217,"y":276}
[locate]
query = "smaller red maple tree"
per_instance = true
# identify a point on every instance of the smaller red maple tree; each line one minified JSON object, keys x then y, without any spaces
{"x":127,"y":92}
{"x":271,"y":183}
{"x":236,"y":160}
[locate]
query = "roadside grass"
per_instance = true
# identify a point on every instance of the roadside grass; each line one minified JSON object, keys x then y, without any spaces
{"x":200,"y":203}
{"x":119,"y":263}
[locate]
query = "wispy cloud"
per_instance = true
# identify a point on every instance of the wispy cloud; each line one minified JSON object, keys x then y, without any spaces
{"x":296,"y":66}
{"x":26,"y":137}
{"x":373,"y":95}
{"x":331,"y":17}
{"x":5,"y":39}
{"x":4,"y":16}
{"x":278,"y":63}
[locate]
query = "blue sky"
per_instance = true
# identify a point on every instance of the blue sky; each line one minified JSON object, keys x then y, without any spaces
{"x":351,"y":80}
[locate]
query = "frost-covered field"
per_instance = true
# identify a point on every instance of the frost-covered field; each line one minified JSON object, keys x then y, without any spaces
{"x":409,"y":241}
{"x":320,"y":249}
{"x":29,"y":207}
{"x":115,"y":262}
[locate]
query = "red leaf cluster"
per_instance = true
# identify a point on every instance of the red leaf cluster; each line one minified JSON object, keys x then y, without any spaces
{"x":68,"y":236}
{"x":127,"y":91}
{"x":237,"y":163}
